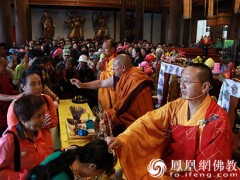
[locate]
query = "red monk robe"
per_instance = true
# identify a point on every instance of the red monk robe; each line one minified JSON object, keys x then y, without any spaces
{"x":5,"y":88}
{"x":107,"y":96}
{"x":134,"y":98}
{"x":148,"y":138}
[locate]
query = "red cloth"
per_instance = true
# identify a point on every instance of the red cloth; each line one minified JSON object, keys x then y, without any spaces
{"x":5,"y":88}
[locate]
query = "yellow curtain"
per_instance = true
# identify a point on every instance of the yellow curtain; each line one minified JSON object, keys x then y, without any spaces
{"x":187,"y":9}
{"x":210,"y":7}
{"x":236,"y":7}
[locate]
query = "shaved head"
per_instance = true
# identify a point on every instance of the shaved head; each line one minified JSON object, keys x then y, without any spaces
{"x":124,"y":60}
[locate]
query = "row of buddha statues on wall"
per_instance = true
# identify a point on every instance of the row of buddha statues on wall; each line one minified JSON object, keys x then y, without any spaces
{"x":76,"y":23}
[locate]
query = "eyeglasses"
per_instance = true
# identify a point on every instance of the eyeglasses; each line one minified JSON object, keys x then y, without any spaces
{"x":186,"y":81}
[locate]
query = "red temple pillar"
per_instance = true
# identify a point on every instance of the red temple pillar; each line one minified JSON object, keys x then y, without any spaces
{"x":22,"y":21}
{"x":6,"y":35}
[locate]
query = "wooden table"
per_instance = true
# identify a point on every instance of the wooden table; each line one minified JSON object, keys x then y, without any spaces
{"x":64,"y":113}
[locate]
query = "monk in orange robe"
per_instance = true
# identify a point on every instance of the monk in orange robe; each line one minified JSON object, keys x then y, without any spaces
{"x":181,"y":136}
{"x":134,"y":98}
{"x":107,"y":96}
{"x":133,"y":89}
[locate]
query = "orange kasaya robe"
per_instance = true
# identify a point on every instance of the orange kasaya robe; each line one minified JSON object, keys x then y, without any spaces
{"x":167,"y":134}
{"x":134,"y":98}
{"x":107,"y":96}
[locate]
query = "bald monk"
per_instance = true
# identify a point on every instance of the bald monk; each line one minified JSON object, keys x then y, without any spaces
{"x":187,"y":134}
{"x":107,"y":96}
{"x":133,"y":89}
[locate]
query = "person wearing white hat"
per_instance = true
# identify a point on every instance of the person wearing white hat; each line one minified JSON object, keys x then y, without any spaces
{"x":83,"y":58}
{"x":86,"y":74}
{"x":83,"y":62}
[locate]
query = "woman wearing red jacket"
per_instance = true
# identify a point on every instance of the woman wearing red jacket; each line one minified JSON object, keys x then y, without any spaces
{"x":24,"y":145}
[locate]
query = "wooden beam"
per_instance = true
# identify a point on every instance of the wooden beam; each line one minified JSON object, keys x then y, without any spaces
{"x":122,"y":19}
{"x":139,"y":19}
{"x":86,"y":3}
{"x":150,"y":5}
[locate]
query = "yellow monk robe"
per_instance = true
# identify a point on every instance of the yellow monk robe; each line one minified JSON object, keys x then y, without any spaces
{"x":148,"y":138}
{"x":107,"y":96}
{"x":134,"y":97}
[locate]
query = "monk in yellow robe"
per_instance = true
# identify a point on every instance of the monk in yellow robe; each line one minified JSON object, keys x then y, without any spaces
{"x":107,"y":96}
{"x":185,"y":133}
{"x":133,"y":89}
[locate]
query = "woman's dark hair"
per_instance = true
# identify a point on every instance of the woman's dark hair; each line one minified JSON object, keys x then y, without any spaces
{"x":37,"y":68}
{"x":37,"y":61}
{"x":138,"y":50}
{"x":26,"y":106}
{"x":95,"y":152}
{"x":20,"y":56}
{"x":27,"y":73}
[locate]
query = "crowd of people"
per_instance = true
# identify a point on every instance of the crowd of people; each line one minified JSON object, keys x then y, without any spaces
{"x":36,"y":76}
{"x":192,"y":128}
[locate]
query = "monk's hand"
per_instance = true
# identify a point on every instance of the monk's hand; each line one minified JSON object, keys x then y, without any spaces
{"x":113,"y":143}
{"x":76,"y":82}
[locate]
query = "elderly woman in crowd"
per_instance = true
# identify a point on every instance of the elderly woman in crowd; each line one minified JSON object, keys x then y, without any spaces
{"x":24,"y":145}
{"x":12,"y":63}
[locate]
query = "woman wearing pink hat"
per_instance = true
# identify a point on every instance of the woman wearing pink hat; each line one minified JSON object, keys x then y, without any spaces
{"x":57,"y":56}
{"x":57,"y":52}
